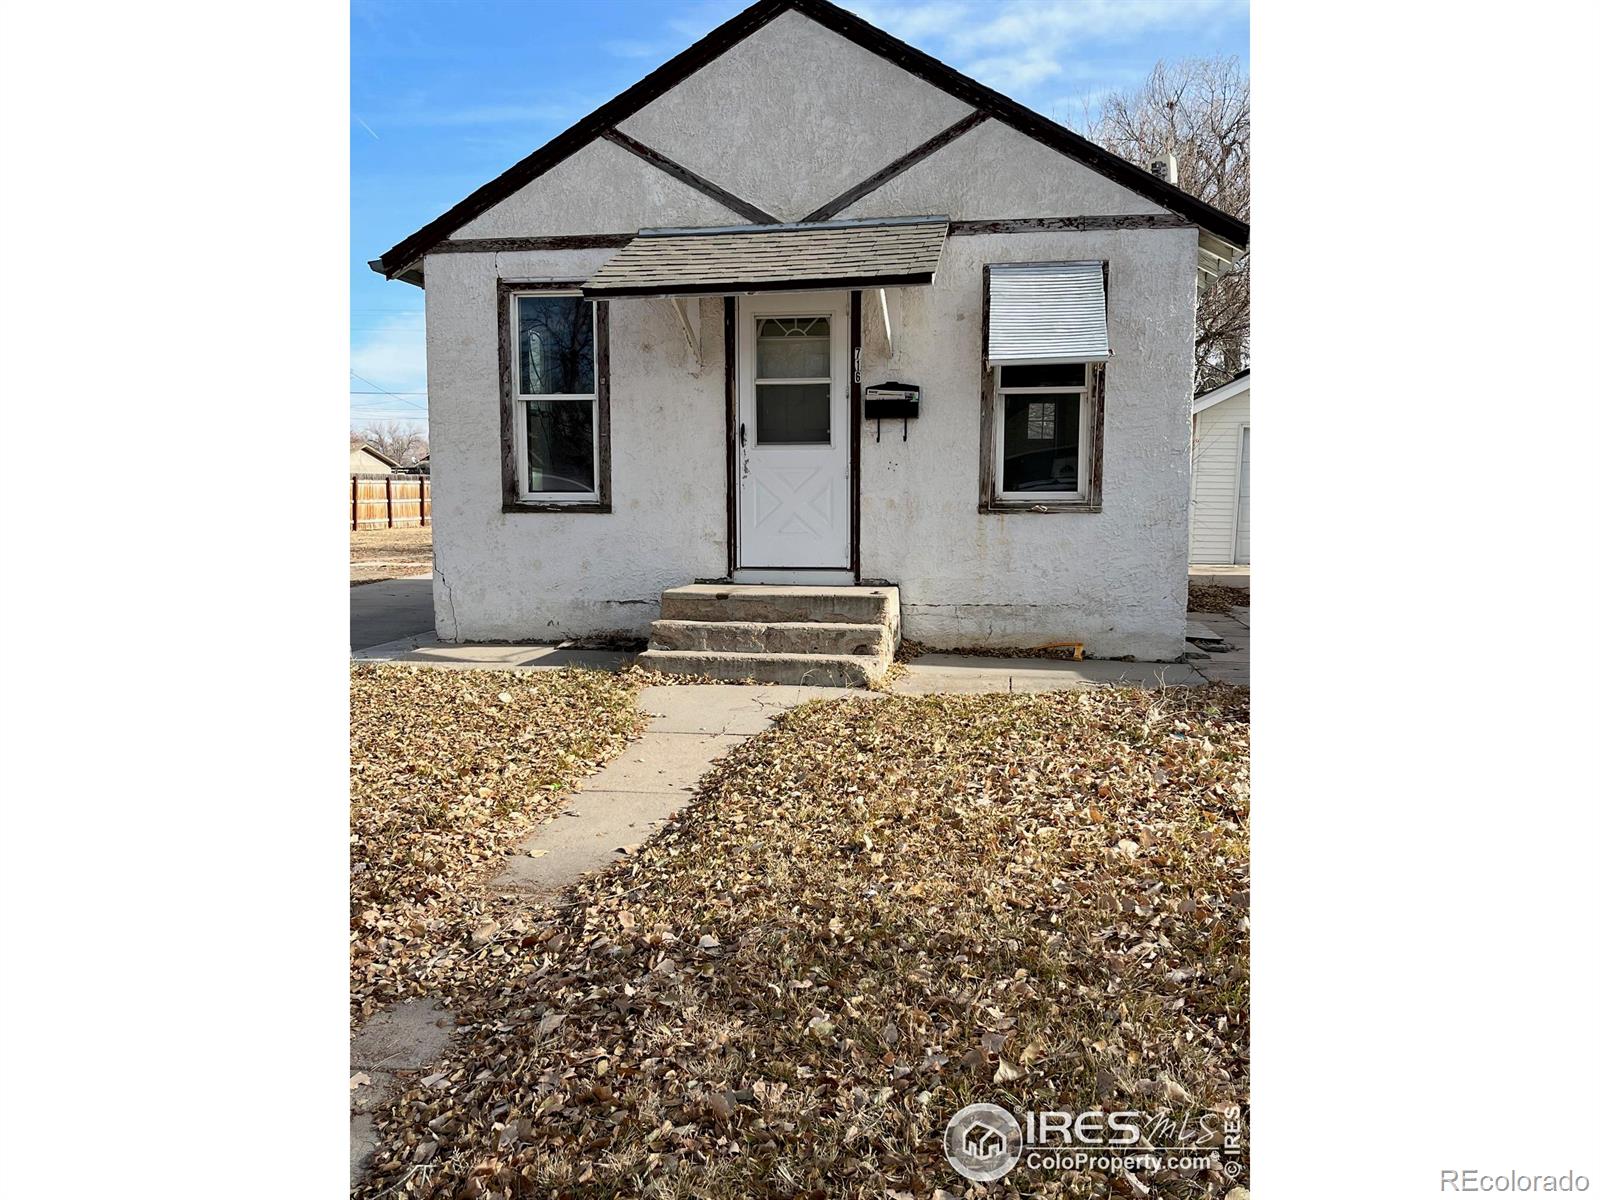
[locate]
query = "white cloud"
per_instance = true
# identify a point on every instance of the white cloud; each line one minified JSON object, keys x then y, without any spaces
{"x":1018,"y":45}
{"x":911,"y":21}
{"x":1033,"y":23}
{"x":1015,"y":72}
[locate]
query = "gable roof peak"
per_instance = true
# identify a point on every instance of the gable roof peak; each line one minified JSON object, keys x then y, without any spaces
{"x":830,"y":16}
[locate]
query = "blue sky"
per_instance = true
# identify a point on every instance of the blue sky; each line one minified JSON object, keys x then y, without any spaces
{"x":446,"y":94}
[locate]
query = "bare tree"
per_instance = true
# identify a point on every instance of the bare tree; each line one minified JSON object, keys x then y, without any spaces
{"x":399,"y":440}
{"x":1197,"y":109}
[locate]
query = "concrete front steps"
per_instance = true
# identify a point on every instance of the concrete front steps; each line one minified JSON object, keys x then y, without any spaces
{"x":825,"y":636}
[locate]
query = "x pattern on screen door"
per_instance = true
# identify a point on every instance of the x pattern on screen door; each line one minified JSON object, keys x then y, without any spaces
{"x":794,"y":500}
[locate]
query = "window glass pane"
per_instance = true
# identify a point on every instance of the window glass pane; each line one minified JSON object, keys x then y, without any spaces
{"x":792,"y":348}
{"x":792,"y":413}
{"x":1043,"y":375}
{"x":1041,"y":444}
{"x":555,"y":345}
{"x":561,"y":445}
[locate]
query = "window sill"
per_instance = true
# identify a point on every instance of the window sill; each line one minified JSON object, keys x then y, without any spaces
{"x":546,"y":506}
{"x":1038,"y":506}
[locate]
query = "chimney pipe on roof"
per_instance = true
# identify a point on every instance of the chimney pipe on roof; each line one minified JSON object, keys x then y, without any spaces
{"x":1165,"y":168}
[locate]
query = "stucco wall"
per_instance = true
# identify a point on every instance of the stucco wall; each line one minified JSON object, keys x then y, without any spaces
{"x":1216,"y":479}
{"x":600,"y":189}
{"x":830,"y":114}
{"x":994,"y":173}
{"x":1114,"y":579}
{"x":545,"y":575}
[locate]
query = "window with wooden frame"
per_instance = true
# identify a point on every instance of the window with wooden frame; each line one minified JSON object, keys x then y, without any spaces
{"x":1043,"y":387}
{"x":555,"y":402}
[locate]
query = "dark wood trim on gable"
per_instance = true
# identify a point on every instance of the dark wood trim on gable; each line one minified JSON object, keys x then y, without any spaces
{"x":899,"y":166}
{"x":510,"y":492}
{"x":614,"y":111}
{"x":404,"y":254}
{"x":569,"y":241}
{"x":730,"y":385}
{"x":606,"y":241}
{"x":1071,"y":224}
{"x":830,"y":284}
{"x":1023,"y":119}
{"x":683,"y":175}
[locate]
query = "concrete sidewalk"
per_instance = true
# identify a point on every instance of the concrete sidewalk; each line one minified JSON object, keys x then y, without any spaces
{"x":426,"y":650}
{"x":973,"y":673}
{"x":406,"y":605}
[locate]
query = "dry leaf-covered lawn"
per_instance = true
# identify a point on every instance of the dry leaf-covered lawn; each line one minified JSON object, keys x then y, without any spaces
{"x":876,"y":913}
{"x":1216,"y":597}
{"x":377,"y":554}
{"x":447,"y":770}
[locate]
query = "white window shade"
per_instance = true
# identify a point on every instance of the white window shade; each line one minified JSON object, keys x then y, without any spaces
{"x":1047,"y":312}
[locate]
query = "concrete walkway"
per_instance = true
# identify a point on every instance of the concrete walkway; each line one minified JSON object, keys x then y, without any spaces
{"x":972,"y":673}
{"x":691,"y":725}
{"x":967,"y":673}
{"x":393,"y":622}
{"x":394,"y":608}
{"x":398,"y":1041}
{"x":1231,"y":662}
{"x":426,"y":650}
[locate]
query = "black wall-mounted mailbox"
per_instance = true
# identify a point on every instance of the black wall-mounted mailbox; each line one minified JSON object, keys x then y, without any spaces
{"x":891,"y":400}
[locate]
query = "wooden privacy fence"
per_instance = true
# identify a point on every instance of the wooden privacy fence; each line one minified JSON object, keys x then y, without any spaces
{"x":390,"y":501}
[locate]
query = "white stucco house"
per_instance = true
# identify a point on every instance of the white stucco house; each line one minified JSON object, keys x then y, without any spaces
{"x":807,"y":308}
{"x":1219,"y":508}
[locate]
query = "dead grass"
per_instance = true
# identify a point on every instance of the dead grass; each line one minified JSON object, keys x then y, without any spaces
{"x":447,"y":770}
{"x":1214,"y":597}
{"x":377,"y":554}
{"x":874,"y":914}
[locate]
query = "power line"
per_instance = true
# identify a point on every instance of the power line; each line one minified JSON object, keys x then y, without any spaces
{"x":387,"y":392}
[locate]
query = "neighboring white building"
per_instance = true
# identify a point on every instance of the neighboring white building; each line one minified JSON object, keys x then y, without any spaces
{"x":1219,"y":510}
{"x":652,"y":346}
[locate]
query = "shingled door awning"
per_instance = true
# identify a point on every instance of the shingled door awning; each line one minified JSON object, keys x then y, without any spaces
{"x":1047,"y":312}
{"x":774,"y":258}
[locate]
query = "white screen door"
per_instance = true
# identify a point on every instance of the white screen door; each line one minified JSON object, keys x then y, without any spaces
{"x":794,"y":431}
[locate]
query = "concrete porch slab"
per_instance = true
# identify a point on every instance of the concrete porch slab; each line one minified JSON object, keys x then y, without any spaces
{"x":975,"y":673}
